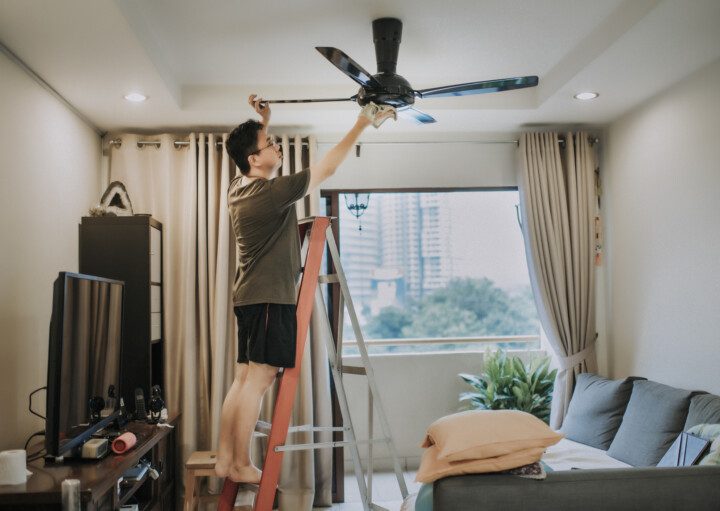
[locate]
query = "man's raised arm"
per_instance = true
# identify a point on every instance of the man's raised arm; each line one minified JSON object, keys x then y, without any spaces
{"x":326,"y":167}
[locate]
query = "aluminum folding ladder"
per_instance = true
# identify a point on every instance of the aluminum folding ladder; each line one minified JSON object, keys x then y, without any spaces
{"x":316,"y":233}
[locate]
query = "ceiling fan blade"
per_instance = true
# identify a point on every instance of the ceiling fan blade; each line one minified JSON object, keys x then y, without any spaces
{"x":416,"y":115}
{"x":466,"y":89}
{"x":348,"y":66}
{"x":327,"y":100}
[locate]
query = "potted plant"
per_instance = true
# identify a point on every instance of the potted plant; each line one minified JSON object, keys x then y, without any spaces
{"x":509,"y":384}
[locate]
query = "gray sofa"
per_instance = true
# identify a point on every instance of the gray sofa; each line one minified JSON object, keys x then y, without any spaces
{"x":634,"y":421}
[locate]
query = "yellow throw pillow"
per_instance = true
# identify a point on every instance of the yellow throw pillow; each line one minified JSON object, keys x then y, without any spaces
{"x":432,"y":467}
{"x":479,"y":434}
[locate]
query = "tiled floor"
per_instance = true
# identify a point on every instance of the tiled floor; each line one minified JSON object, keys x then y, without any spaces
{"x":386,"y":492}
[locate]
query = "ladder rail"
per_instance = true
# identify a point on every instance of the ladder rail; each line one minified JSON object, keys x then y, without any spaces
{"x":370,"y":373}
{"x":342,"y":398}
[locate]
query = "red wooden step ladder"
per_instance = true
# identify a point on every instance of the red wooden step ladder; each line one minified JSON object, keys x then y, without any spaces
{"x":316,"y":232}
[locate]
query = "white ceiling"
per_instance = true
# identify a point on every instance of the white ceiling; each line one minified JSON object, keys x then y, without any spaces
{"x":198,"y":61}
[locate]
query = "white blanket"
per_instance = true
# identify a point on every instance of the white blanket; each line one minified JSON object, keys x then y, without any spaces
{"x":567,"y":455}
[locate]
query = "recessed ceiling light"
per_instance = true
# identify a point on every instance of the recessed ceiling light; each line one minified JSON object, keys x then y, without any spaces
{"x":135,"y":97}
{"x":586,"y":95}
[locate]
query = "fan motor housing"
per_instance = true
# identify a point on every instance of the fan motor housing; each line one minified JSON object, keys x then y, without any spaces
{"x":395,"y":91}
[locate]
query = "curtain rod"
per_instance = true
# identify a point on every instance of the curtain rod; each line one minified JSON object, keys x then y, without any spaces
{"x":117,"y":142}
{"x":561,"y":140}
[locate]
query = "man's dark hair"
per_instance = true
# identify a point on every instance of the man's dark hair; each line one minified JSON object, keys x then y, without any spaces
{"x":242,"y":142}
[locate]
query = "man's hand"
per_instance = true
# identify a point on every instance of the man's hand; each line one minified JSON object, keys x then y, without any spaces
{"x":261,"y":108}
{"x":377,"y":114}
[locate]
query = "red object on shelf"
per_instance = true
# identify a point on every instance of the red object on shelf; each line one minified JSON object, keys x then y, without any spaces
{"x":124,"y":442}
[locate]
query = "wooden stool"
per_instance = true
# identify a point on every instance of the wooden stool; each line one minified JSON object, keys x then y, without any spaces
{"x":201,"y":464}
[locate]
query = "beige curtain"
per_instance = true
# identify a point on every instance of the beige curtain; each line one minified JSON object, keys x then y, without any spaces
{"x":185,"y":188}
{"x":557,"y":209}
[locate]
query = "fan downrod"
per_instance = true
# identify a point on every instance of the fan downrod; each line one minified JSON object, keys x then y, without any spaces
{"x":395,"y":90}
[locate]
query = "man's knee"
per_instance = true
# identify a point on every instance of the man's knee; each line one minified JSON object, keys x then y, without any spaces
{"x":241,"y":372}
{"x":261,"y":375}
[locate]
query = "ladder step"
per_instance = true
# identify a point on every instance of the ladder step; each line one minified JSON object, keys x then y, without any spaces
{"x":263,"y":428}
{"x":354,"y":370}
{"x":251,"y":487}
{"x":328,"y":445}
{"x":328,"y":279}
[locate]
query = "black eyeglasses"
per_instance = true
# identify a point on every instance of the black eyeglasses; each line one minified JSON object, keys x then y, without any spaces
{"x":271,"y":142}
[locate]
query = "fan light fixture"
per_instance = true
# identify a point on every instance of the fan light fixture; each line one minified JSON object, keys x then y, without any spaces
{"x":135,"y":97}
{"x":357,"y":206}
{"x":586,"y":95}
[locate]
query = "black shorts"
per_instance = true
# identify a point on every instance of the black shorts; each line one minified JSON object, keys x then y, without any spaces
{"x":266,"y":334}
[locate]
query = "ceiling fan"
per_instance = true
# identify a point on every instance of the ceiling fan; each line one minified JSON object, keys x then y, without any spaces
{"x":389,"y":88}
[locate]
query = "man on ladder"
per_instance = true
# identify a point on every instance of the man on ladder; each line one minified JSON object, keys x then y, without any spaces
{"x":265,"y":226}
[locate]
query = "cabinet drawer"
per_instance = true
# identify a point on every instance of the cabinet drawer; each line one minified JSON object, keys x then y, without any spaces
{"x":155,"y":326}
{"x":155,"y":255}
{"x":155,"y":299}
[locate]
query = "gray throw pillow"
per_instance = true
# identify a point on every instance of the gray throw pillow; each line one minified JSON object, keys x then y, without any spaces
{"x":704,"y":409}
{"x":596,"y":410}
{"x":654,"y":417}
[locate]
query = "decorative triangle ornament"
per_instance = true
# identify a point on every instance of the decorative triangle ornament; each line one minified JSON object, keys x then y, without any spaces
{"x":114,"y":202}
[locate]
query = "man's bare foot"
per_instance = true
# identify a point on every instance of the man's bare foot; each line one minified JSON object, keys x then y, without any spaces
{"x":247,"y":474}
{"x":222,"y":467}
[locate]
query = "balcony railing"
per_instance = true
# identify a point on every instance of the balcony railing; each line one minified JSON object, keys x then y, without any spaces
{"x":432,"y":344}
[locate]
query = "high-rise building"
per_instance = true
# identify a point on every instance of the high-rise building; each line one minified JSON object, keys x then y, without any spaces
{"x":406,"y":235}
{"x":400,"y":238}
{"x":360,"y":251}
{"x":436,"y":234}
{"x":415,"y":239}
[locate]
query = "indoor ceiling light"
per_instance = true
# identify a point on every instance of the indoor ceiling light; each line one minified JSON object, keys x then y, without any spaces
{"x":586,"y":95}
{"x":135,"y":97}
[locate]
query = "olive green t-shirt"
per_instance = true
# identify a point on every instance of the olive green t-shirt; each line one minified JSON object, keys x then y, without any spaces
{"x":266,"y":232}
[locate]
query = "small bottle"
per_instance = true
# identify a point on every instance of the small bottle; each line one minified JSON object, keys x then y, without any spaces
{"x":70,"y":495}
{"x":110,"y":403}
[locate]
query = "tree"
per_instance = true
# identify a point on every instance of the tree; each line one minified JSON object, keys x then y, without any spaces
{"x":465,"y":308}
{"x":388,"y":323}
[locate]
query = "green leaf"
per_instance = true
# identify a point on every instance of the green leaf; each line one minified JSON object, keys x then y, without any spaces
{"x":507,"y":383}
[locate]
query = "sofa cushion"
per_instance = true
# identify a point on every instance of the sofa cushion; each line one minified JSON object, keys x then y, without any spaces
{"x":711,"y":433}
{"x":478,"y":434}
{"x":433,"y":468}
{"x":704,"y":409}
{"x":596,"y":410}
{"x":653,"y":419}
{"x":569,"y":455}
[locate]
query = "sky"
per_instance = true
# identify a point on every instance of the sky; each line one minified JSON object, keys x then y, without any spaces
{"x":487,"y":238}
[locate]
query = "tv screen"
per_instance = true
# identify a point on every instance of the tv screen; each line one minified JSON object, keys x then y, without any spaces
{"x":84,"y":357}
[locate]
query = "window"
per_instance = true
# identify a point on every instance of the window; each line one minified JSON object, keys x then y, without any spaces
{"x":432,"y":271}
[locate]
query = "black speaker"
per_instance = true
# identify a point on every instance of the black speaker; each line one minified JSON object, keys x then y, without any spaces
{"x":156,"y":404}
{"x":140,"y":413}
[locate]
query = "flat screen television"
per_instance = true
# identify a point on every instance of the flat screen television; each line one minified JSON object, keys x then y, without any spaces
{"x":83,"y":359}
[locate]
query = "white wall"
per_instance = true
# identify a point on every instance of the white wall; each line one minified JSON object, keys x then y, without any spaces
{"x":49,"y":177}
{"x":415,"y":390}
{"x":662,"y":191}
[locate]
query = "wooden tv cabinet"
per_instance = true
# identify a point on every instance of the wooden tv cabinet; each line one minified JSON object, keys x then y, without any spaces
{"x":99,"y":480}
